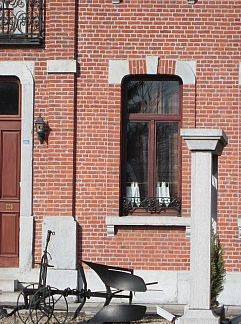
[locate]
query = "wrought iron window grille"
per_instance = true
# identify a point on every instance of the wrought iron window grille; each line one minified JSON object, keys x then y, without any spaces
{"x":153,"y":205}
{"x":21,"y":22}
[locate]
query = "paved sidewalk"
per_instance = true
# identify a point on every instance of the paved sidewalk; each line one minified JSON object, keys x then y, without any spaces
{"x":91,"y":308}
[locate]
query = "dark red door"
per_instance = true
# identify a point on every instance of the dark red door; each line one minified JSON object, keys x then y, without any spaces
{"x":10,"y":139}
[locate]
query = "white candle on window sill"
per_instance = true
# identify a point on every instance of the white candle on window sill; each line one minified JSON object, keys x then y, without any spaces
{"x":163,"y":193}
{"x":133,"y":193}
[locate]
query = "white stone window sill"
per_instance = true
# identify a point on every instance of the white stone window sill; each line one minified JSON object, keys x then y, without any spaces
{"x":112,"y":221}
{"x":239,"y":227}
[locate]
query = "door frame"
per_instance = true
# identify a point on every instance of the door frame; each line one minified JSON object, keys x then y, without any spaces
{"x":24,"y":70}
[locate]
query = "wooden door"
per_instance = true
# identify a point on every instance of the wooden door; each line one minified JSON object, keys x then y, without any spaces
{"x":10,"y":139}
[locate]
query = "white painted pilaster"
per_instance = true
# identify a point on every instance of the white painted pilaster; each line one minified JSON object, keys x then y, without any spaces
{"x":24,"y":70}
{"x":200,"y":230}
{"x":239,"y":79}
{"x":26,"y":243}
{"x":205,"y":145}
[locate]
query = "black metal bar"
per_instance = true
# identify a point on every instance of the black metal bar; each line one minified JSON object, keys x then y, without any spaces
{"x":21,"y":22}
{"x":41,"y":298}
{"x":151,"y":205}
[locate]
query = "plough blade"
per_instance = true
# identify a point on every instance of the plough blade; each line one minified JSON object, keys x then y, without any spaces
{"x":118,"y":279}
{"x":235,"y":320}
{"x":119,"y":313}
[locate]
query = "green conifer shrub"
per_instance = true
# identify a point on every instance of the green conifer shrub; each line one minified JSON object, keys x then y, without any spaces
{"x":218,"y":271}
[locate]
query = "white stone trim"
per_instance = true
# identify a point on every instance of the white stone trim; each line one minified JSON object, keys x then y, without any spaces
{"x":24,"y":70}
{"x":62,"y":246}
{"x":231,"y":294}
{"x":61,"y":66}
{"x":110,"y":230}
{"x":188,"y":231}
{"x":204,"y":145}
{"x":239,"y":228}
{"x":186,"y":70}
{"x":151,"y":64}
{"x":117,"y":70}
{"x":112,"y":221}
{"x":205,"y":139}
{"x":198,"y":316}
{"x":26,"y":242}
{"x":239,"y":79}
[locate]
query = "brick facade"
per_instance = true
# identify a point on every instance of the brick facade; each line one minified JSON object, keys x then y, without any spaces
{"x":77,"y":173}
{"x":207,"y":33}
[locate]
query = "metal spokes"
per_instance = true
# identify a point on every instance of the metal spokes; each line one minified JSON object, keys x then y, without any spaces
{"x":46,"y":304}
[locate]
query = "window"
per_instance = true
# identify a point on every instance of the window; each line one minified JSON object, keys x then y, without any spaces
{"x":151,"y":116}
{"x":9,"y":96}
{"x":21,"y":22}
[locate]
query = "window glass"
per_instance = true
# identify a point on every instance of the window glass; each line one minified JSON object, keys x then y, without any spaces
{"x":157,"y":97}
{"x":9,"y":98}
{"x":150,"y":153}
{"x":137,"y":157}
{"x":167,"y":155}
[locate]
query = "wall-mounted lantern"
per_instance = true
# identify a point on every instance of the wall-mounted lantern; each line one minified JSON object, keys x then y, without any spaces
{"x":41,"y":129}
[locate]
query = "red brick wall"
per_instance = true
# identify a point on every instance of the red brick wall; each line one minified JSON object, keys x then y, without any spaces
{"x":208,"y":33}
{"x":55,"y":101}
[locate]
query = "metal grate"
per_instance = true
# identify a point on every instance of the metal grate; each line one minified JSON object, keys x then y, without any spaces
{"x":152,"y":205}
{"x":21,"y":22}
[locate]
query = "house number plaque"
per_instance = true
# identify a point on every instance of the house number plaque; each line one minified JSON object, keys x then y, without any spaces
{"x":9,"y":206}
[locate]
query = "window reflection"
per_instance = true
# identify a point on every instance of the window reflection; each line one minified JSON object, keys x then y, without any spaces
{"x":137,"y":156}
{"x":157,"y":97}
{"x":9,"y":98}
{"x":167,"y":156}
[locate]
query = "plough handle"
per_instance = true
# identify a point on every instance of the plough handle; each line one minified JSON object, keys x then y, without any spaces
{"x":152,"y":283}
{"x":48,"y":239}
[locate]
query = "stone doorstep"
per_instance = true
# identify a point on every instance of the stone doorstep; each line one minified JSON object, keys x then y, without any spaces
{"x":8,"y":285}
{"x":12,"y":285}
{"x":12,"y":274}
{"x":8,"y":297}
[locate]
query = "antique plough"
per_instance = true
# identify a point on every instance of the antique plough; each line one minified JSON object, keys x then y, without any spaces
{"x":40,"y":303}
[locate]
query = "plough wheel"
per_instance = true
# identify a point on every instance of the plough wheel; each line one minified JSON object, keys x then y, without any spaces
{"x":48,"y":303}
{"x":23,"y":303}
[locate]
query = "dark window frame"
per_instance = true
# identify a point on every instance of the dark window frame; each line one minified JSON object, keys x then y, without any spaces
{"x":152,"y":119}
{"x":13,"y":32}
